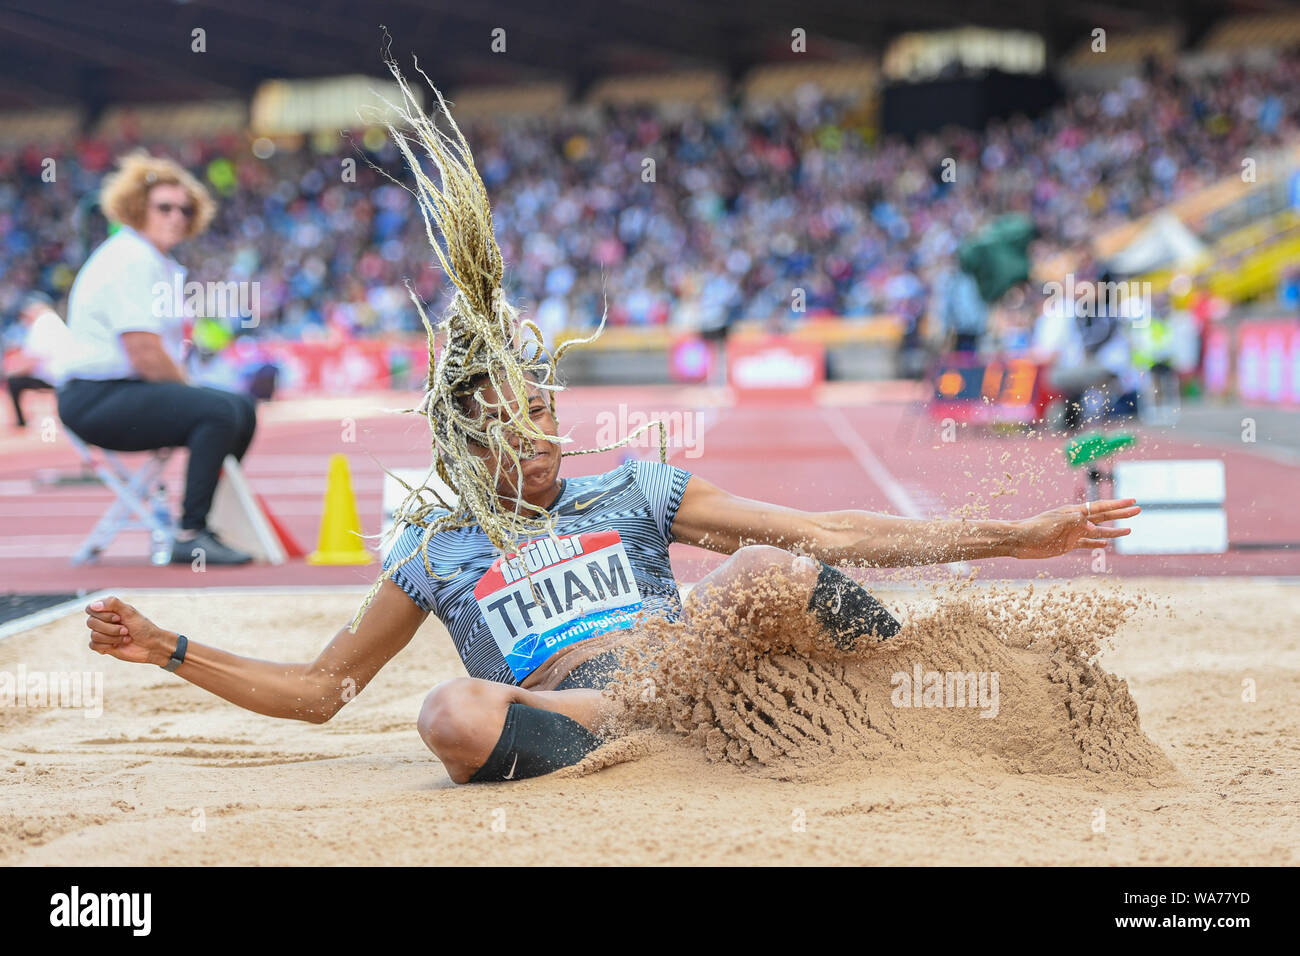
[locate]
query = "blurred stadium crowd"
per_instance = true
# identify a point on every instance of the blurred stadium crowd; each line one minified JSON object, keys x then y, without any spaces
{"x":746,"y":205}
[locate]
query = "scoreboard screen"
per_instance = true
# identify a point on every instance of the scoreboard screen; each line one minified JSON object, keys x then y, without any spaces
{"x":1004,"y":390}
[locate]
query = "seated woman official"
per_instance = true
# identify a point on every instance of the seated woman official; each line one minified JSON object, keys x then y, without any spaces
{"x":125,"y":389}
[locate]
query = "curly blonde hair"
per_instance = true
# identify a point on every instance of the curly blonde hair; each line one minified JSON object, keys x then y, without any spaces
{"x":486,"y":345}
{"x":124,"y":196}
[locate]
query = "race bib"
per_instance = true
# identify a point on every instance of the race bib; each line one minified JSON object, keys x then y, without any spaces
{"x":581,"y":587}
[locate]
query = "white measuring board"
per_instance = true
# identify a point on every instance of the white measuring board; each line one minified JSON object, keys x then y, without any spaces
{"x":1182,"y":506}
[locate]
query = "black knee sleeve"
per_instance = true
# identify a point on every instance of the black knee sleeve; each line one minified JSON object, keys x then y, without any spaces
{"x":534,"y":742}
{"x":846,"y":610}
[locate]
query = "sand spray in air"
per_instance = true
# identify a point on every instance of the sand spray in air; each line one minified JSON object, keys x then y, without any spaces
{"x":754,"y":682}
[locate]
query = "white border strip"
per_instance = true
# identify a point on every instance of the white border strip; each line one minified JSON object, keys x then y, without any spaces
{"x":45,"y":616}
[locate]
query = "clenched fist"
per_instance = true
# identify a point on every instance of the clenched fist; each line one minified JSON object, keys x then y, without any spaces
{"x":119,"y":630}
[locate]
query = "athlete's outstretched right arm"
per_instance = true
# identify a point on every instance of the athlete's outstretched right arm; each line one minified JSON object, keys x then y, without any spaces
{"x":314,"y":692}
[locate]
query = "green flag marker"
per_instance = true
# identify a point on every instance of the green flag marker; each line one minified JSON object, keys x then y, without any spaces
{"x":1088,"y":448}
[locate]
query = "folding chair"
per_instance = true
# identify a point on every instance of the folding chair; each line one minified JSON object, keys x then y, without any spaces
{"x":140,"y":501}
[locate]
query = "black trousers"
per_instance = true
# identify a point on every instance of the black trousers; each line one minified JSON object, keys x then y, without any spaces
{"x":19,"y":384}
{"x":132,"y":415}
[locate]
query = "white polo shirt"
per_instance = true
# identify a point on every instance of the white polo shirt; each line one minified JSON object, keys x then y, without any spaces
{"x":126,"y":285}
{"x":50,"y":343}
{"x":1056,"y":333}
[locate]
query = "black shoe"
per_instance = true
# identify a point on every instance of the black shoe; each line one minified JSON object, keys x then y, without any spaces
{"x":211,"y":547}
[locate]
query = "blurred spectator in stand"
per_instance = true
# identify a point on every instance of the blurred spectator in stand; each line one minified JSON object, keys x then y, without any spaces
{"x":1058,"y":344}
{"x":963,"y":313}
{"x":905,"y":296}
{"x":45,"y":345}
{"x":767,"y":197}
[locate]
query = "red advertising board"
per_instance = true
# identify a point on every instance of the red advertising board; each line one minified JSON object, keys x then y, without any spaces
{"x":341,"y":368}
{"x":1268,"y":362}
{"x":775,"y":368}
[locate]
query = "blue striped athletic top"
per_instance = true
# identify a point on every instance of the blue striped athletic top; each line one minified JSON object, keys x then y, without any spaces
{"x":638,"y":500}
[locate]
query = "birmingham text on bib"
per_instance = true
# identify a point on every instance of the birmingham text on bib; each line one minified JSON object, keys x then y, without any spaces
{"x":580,"y":587}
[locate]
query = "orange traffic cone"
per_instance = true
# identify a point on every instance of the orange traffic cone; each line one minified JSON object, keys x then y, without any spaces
{"x":340,"y":528}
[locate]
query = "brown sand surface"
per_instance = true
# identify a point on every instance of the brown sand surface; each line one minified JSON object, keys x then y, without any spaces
{"x":169,"y":774}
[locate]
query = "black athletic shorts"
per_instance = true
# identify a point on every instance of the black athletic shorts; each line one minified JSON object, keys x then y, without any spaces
{"x":593,"y":674}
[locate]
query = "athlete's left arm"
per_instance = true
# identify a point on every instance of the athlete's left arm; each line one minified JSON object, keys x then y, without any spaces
{"x":720,"y":521}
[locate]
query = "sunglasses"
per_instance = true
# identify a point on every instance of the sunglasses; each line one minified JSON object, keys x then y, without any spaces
{"x":167,"y":208}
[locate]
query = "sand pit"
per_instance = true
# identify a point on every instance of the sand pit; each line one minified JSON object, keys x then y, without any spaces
{"x":1001,"y":672}
{"x":796,"y":756}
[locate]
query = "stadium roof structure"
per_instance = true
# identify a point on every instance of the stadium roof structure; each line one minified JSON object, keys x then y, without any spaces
{"x":90,"y":54}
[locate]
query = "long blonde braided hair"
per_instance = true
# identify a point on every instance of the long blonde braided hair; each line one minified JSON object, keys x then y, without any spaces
{"x":485,"y":344}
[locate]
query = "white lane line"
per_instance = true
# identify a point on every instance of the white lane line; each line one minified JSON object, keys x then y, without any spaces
{"x":708,"y":418}
{"x":23,"y":547}
{"x":898,"y":496}
{"x":362,"y":485}
{"x":873,"y":466}
{"x":56,"y":509}
{"x":1191,"y":436}
{"x":282,"y":505}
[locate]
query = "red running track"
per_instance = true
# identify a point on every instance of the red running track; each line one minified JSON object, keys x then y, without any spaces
{"x":860,"y":447}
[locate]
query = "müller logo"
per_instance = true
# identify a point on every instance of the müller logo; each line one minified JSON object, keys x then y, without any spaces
{"x":102,"y":909}
{"x":539,"y":554}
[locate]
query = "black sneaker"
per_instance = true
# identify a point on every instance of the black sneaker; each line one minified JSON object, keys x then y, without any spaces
{"x":213,"y":550}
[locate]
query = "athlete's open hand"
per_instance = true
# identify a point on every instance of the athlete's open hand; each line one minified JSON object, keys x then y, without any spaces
{"x":1071,"y":526}
{"x":119,"y":630}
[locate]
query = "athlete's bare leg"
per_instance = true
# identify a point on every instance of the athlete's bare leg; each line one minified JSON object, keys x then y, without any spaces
{"x":461,"y":719}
